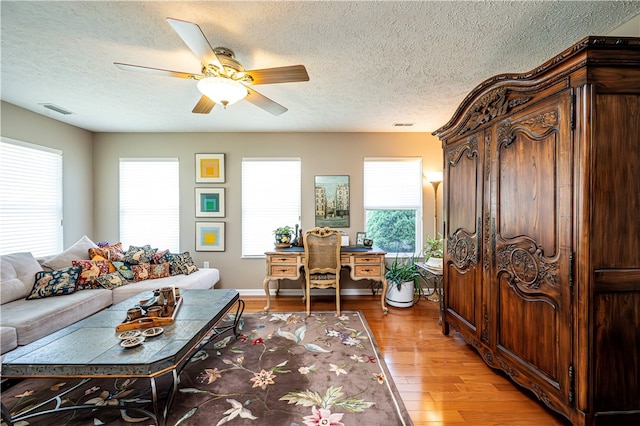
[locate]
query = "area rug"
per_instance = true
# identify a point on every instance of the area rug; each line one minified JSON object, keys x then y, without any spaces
{"x":285,"y":369}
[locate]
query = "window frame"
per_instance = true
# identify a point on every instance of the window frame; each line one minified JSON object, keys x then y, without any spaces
{"x":152,"y":204}
{"x":269,"y":182}
{"x":43,"y":234}
{"x":416,"y":205}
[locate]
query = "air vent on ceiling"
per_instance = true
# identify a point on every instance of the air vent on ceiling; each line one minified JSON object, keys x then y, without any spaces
{"x":56,"y":108}
{"x":402,"y":124}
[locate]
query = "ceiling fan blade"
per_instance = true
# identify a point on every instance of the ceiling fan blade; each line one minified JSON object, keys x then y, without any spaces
{"x":158,"y":71}
{"x":204,"y":106}
{"x":265,"y":103}
{"x":195,"y":40}
{"x":288,"y":74}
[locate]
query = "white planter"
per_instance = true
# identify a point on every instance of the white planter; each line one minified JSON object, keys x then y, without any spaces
{"x":402,"y":298}
{"x":435,"y":262}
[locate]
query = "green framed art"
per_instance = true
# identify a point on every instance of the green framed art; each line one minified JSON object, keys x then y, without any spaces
{"x":210,"y":202}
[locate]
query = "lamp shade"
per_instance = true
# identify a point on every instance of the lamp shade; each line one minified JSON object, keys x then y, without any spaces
{"x":435,"y":176}
{"x":221,"y":90}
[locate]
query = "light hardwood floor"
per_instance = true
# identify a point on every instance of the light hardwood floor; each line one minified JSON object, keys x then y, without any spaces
{"x":442,"y":380}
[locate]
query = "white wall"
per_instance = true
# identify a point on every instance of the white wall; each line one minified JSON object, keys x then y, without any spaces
{"x":77,"y":154}
{"x":631,"y":28}
{"x":321,"y":154}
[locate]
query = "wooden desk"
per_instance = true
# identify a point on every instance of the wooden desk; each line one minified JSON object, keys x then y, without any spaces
{"x":363,"y":264}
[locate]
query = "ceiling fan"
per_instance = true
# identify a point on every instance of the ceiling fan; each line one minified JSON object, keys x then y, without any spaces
{"x":223,"y":80}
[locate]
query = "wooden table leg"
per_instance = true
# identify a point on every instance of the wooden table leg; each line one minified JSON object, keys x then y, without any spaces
{"x":385,"y":310}
{"x":265,"y":284}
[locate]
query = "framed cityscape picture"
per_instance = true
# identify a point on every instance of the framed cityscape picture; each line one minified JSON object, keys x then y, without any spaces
{"x":210,"y":236}
{"x":210,"y":168}
{"x":332,"y":205}
{"x":210,"y":202}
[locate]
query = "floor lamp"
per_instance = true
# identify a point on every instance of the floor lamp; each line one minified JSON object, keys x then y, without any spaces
{"x":435,"y":178}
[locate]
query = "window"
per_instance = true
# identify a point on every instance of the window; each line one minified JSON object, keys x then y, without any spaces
{"x":271,"y":198}
{"x":30,"y":198}
{"x":150,"y":203}
{"x":393,"y":203}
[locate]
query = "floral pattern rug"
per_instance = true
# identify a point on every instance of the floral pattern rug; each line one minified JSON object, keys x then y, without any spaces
{"x":285,"y":369}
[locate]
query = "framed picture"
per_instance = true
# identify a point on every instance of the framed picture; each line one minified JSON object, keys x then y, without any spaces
{"x":360,"y":236}
{"x":209,"y":168}
{"x":210,"y":236}
{"x":209,"y":202}
{"x":332,"y":201}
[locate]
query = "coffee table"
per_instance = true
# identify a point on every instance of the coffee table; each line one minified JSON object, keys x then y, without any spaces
{"x":90,"y":349}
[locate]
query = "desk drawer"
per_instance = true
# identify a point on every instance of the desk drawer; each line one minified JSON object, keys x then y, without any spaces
{"x":283,"y":259}
{"x":361,"y":260}
{"x":367,"y":270}
{"x":284,"y":271}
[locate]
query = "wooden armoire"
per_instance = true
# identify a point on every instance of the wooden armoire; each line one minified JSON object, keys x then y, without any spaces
{"x":542,"y":229}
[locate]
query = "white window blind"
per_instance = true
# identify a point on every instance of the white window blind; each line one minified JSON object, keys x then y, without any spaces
{"x":150,"y":203}
{"x":271,"y":197}
{"x":393,"y":203}
{"x":30,"y":198}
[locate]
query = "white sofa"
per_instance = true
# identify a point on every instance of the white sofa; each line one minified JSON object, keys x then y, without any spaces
{"x":22,"y":321}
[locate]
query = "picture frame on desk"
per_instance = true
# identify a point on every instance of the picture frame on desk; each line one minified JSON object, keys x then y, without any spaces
{"x":360,"y":237}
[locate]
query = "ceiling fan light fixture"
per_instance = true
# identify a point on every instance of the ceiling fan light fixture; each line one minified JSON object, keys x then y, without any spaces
{"x":221,"y":90}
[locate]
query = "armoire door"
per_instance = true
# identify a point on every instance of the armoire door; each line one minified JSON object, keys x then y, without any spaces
{"x":463,"y":229}
{"x":531,"y":227}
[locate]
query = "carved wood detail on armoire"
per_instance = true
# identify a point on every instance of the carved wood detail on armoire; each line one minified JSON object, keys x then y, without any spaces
{"x":542,"y":229}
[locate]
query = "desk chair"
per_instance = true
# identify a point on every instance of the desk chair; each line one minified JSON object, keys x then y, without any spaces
{"x":322,"y":262}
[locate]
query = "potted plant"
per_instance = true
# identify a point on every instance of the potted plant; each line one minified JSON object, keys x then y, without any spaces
{"x":434,"y":251}
{"x":404,"y":281}
{"x":283,"y":236}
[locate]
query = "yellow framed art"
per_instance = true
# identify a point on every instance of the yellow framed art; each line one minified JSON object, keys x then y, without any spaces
{"x":210,"y":168}
{"x":210,"y":236}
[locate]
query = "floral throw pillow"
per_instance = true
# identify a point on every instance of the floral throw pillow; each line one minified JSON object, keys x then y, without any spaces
{"x":136,"y":255}
{"x":181,"y":264}
{"x":188,"y":265}
{"x":141,"y":271}
{"x":111,"y":281}
{"x":124,"y":269}
{"x":111,"y":267}
{"x":160,"y":256}
{"x":159,"y":270}
{"x":89,"y":271}
{"x":112,"y":253}
{"x":56,"y":283}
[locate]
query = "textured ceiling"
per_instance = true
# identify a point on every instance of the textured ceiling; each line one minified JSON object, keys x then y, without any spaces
{"x":371,"y":64}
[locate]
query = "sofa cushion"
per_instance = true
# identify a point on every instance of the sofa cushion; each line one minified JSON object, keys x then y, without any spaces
{"x":8,"y":339}
{"x":89,"y":271}
{"x":55,"y":283}
{"x":80,"y":250}
{"x":141,"y":271}
{"x":34,"y":319}
{"x":124,"y":269}
{"x":202,"y":279}
{"x":135,"y":255}
{"x":160,"y":270}
{"x":111,"y":267}
{"x":111,"y":252}
{"x":181,"y":263}
{"x":111,"y":281}
{"x":17,"y":275}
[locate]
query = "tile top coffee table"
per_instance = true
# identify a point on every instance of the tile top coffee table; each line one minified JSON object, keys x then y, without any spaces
{"x":91,"y":348}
